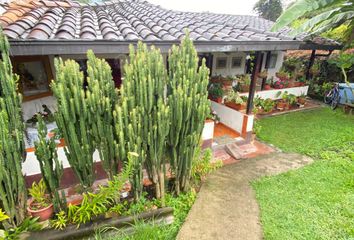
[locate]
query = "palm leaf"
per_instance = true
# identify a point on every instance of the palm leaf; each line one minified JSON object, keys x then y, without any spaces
{"x":298,"y":9}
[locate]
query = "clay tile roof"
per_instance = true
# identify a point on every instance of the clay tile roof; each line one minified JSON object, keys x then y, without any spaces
{"x":126,"y":20}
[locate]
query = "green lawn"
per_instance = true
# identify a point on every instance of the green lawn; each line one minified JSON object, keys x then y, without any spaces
{"x":317,"y":201}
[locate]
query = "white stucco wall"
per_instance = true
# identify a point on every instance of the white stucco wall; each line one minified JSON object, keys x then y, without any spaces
{"x":228,"y":70}
{"x":208,"y":130}
{"x":278,"y":65}
{"x":274,"y":93}
{"x":232,"y":118}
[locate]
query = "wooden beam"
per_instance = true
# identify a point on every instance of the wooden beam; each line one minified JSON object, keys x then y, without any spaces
{"x":252,"y":91}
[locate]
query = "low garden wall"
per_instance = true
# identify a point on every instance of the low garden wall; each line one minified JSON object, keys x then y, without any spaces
{"x":274,"y":93}
{"x":238,"y":121}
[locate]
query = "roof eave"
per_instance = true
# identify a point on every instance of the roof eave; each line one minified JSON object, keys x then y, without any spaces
{"x":314,"y":46}
{"x":64,"y":47}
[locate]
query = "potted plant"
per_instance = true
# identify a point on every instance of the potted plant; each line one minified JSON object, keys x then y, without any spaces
{"x":245,"y":82}
{"x":234,"y":101}
{"x":283,"y":103}
{"x":301,"y":100}
{"x":291,"y":99}
{"x":40,"y":204}
{"x":268,"y":84}
{"x":216,"y":92}
{"x":282,"y":75}
{"x":279,"y":84}
{"x":263,"y":74}
{"x":227,"y":82}
{"x":268,"y":105}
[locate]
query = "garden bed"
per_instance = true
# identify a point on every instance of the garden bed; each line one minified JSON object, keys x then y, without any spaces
{"x":162,"y":215}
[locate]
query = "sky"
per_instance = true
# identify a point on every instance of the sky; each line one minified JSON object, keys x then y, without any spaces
{"x":238,"y":7}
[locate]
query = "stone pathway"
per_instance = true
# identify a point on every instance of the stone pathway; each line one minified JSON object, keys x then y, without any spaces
{"x":226,"y":207}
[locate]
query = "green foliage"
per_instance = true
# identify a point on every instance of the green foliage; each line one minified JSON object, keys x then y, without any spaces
{"x":92,"y":206}
{"x":141,"y":205}
{"x":101,"y":97}
{"x":202,"y":164}
{"x":266,"y":104}
{"x":344,"y":61}
{"x":60,"y":222}
{"x":13,"y":195}
{"x":317,"y":200}
{"x":189,"y":106}
{"x":95,"y":204}
{"x":51,"y":167}
{"x":27,"y":225}
{"x":334,"y":14}
{"x":234,"y":97}
{"x":339,"y":33}
{"x":215,"y":90}
{"x":268,"y":9}
{"x":73,"y":118}
{"x":38,"y":193}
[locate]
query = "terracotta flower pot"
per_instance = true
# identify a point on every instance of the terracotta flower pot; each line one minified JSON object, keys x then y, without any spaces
{"x":267,"y":87}
{"x":218,"y":99}
{"x":236,"y":106}
{"x":297,"y":84}
{"x":245,"y":88}
{"x":43,"y":214}
{"x":226,"y":83}
{"x":281,"y":105}
{"x":301,"y":101}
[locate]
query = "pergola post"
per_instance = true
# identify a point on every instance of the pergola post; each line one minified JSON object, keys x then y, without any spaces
{"x":254,"y":77}
{"x":312,"y":60}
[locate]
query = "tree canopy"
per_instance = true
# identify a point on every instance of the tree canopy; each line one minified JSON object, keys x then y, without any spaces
{"x":268,"y":9}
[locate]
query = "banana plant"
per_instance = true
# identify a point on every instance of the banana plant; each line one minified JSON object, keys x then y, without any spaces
{"x":333,"y":13}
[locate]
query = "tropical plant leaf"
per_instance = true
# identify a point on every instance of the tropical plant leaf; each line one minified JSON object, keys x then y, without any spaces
{"x":298,"y":9}
{"x":333,"y":22}
{"x":311,"y":23}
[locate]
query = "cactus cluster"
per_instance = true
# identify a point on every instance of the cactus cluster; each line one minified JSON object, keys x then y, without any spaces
{"x":146,"y":111}
{"x":101,"y":97}
{"x":13,"y":194}
{"x":73,"y":118}
{"x":189,"y":106}
{"x":51,"y":167}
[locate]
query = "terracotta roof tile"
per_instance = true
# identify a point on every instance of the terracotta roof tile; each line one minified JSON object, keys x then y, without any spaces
{"x":127,"y":21}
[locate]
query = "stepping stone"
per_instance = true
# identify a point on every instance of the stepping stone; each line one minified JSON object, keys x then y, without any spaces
{"x":234,"y":151}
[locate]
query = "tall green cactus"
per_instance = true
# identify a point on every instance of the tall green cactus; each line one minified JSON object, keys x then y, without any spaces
{"x":51,"y":167}
{"x":145,"y":111}
{"x":102,"y":99}
{"x":13,"y":194}
{"x":73,"y":118}
{"x":189,"y":105}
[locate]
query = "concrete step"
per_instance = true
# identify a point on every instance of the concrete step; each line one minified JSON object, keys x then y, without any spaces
{"x":234,"y":151}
